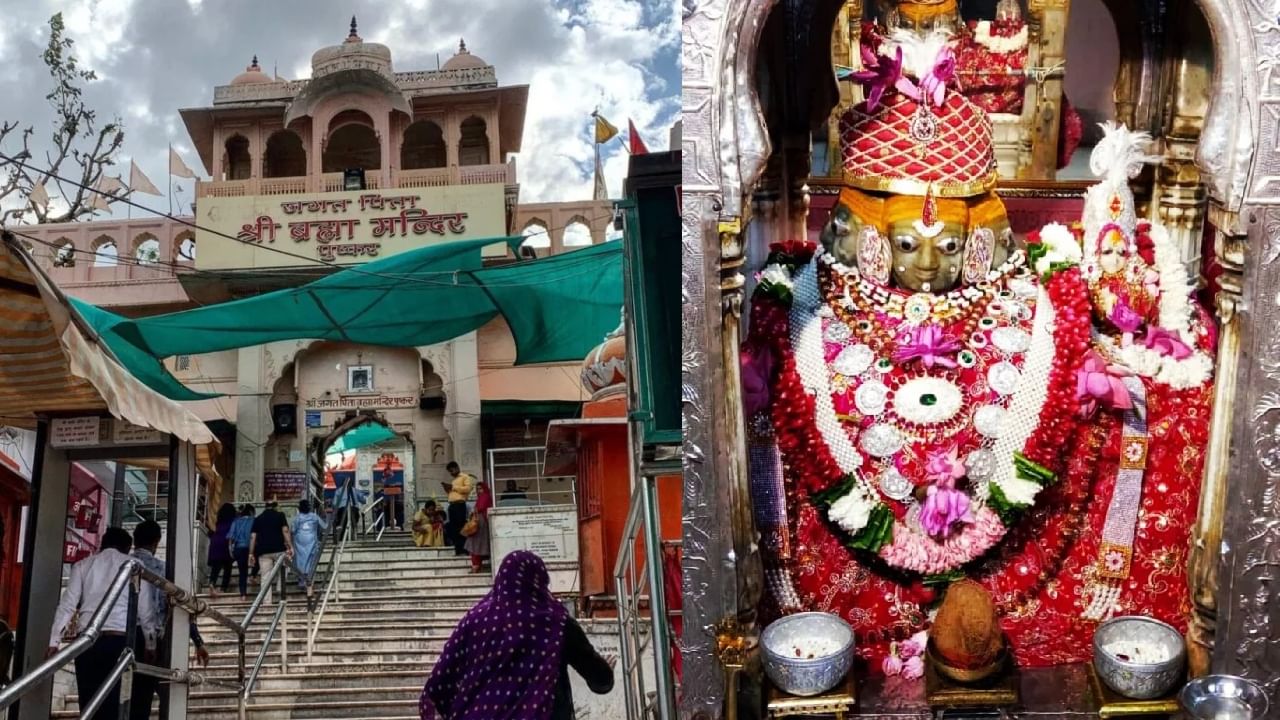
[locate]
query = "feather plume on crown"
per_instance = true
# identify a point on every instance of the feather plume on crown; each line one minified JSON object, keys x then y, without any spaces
{"x":919,"y":52}
{"x":1120,"y":150}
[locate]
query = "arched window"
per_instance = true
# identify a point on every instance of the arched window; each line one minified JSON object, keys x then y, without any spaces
{"x":186,"y":242}
{"x":537,"y":235}
{"x":105,"y":253}
{"x":423,"y":146}
{"x":285,"y":156}
{"x":473,"y":148}
{"x":577,"y":233}
{"x":238,"y":166}
{"x":352,"y":143}
{"x":65,"y":254}
{"x":147,"y":249}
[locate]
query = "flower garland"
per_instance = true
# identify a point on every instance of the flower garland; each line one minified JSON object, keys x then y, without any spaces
{"x":1002,"y":41}
{"x":824,"y":462}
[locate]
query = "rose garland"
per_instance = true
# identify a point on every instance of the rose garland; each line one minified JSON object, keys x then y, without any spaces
{"x":851,"y":503}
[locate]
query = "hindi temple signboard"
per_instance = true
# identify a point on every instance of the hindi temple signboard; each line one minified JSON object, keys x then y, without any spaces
{"x":344,"y":228}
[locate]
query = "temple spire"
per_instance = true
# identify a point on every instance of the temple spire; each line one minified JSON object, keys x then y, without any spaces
{"x":353,"y":35}
{"x":462,"y":46}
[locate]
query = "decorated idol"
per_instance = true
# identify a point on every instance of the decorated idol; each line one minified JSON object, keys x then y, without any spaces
{"x":930,"y":401}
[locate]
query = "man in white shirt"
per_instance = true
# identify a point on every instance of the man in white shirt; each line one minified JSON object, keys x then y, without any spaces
{"x":152,"y":617}
{"x":86,"y":589}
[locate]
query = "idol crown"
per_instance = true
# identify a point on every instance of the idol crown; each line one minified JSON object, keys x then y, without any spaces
{"x":915,"y":133}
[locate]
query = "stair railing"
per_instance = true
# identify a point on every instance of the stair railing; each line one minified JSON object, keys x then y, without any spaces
{"x":279,"y":620}
{"x":642,"y":620}
{"x":331,"y":587}
{"x":130,"y":575}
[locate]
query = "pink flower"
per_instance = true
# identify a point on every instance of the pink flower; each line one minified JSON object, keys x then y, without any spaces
{"x":913,"y":669}
{"x":1098,"y":383}
{"x":942,"y":508}
{"x":879,"y":73}
{"x":1124,"y":317}
{"x":914,"y":645}
{"x":891,"y":665}
{"x":757,"y":371}
{"x":1166,"y":343}
{"x":929,"y":345}
{"x":944,"y":467}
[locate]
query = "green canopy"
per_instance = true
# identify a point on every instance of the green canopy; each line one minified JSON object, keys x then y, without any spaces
{"x":558,"y":308}
{"x":363,"y":435}
{"x":144,"y":366}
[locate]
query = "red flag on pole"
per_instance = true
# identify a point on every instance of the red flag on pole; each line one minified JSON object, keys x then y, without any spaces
{"x":636,"y":145}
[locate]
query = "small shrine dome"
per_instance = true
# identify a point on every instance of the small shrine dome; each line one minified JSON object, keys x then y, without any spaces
{"x":352,"y":53}
{"x":604,"y":371}
{"x":252,"y":75}
{"x":464,"y":60}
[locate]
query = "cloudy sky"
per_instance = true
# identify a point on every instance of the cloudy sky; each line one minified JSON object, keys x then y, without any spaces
{"x":155,"y":56}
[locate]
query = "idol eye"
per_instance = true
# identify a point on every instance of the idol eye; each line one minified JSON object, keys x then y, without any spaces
{"x":907,"y":243}
{"x":949,"y":246}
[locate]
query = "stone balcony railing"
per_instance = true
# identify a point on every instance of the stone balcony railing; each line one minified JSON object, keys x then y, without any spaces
{"x":374,"y":180}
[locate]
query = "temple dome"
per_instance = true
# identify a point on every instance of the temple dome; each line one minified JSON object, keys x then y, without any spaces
{"x":353,"y":53}
{"x":252,"y":75}
{"x":464,"y":60}
{"x":604,"y":371}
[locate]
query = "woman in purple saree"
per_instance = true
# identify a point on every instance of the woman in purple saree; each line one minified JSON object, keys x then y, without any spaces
{"x":509,"y":657}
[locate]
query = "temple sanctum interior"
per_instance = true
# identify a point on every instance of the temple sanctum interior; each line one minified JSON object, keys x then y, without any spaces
{"x":979,"y":266}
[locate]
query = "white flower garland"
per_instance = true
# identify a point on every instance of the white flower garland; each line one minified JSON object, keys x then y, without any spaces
{"x":853,"y":511}
{"x":806,"y":341}
{"x":1023,"y":414}
{"x":999,"y":44}
{"x":1060,"y":245}
{"x":1175,"y":285}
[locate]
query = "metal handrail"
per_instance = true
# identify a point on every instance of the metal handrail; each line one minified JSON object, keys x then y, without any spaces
{"x":87,"y":637}
{"x":108,"y":685}
{"x":335,"y":562}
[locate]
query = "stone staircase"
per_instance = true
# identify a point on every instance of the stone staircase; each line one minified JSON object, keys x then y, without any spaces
{"x":375,"y":648}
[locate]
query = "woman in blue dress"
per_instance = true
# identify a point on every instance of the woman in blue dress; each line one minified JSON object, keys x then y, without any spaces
{"x":307,"y":527}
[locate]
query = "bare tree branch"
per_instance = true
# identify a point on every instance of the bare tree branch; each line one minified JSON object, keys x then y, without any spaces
{"x":76,"y":142}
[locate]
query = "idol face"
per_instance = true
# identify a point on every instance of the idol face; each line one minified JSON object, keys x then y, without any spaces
{"x":1112,"y":255}
{"x":926,"y":264}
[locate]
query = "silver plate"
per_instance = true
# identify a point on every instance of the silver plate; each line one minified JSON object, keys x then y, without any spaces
{"x":1011,"y":339}
{"x":988,"y":419}
{"x":837,"y":332}
{"x":1003,"y":377}
{"x":871,"y":397}
{"x":980,"y":464}
{"x":895,"y":485}
{"x":881,"y":440}
{"x":853,"y":360}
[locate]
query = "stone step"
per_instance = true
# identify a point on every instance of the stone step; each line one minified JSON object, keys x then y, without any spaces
{"x":418,"y":650}
{"x":291,"y":707}
{"x":224,"y":666}
{"x":361,"y":636}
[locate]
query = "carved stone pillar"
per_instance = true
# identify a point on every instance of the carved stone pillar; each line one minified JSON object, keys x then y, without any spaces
{"x":1178,"y":198}
{"x":1048,"y":31}
{"x":1206,"y":537}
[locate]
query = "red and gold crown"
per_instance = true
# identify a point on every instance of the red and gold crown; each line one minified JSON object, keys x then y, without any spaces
{"x":915,"y":131}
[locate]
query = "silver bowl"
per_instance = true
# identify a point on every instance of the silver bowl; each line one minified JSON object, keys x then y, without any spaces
{"x":1139,"y":680}
{"x":1223,"y":697}
{"x":806,"y":676}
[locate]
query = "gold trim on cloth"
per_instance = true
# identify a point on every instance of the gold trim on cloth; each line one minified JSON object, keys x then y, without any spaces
{"x":908,"y":186}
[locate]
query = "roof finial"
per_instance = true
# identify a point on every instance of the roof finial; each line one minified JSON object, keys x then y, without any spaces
{"x":254,"y":64}
{"x":462,"y":46}
{"x":353,"y":28}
